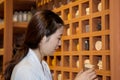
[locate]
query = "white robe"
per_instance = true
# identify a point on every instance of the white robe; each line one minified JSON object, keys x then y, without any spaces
{"x":30,"y":68}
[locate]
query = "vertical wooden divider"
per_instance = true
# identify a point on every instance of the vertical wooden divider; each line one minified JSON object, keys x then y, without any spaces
{"x":8,"y":30}
{"x":115,"y":39}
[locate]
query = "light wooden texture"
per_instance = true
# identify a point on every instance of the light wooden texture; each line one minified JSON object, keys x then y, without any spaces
{"x":8,"y":30}
{"x":115,"y":39}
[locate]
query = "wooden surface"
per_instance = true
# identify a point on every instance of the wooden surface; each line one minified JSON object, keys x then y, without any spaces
{"x":8,"y":30}
{"x":115,"y":39}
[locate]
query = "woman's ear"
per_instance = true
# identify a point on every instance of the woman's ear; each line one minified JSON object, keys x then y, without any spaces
{"x":43,"y":40}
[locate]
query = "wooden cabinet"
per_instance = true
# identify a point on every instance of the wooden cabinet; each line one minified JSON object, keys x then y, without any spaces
{"x":11,"y":33}
{"x":86,"y":37}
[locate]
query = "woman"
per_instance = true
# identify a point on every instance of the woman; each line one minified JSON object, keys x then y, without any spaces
{"x":42,"y":38}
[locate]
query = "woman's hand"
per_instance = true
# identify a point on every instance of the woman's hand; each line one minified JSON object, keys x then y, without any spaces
{"x":86,"y":75}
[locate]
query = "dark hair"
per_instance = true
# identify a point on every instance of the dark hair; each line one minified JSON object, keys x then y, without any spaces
{"x":43,"y":23}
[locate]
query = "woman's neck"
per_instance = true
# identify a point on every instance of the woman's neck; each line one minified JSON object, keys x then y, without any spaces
{"x":38,"y":54}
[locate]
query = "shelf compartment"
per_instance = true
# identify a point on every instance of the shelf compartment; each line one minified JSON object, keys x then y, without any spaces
{"x":1,"y":8}
{"x":85,"y":8}
{"x":75,"y":11}
{"x":100,"y":77}
{"x":75,"y":61}
{"x":58,"y":61}
{"x":75,"y":28}
{"x":19,"y":30}
{"x":57,"y":4}
{"x":74,"y":74}
{"x":98,"y":62}
{"x":51,"y":61}
{"x":107,"y":22}
{"x":95,"y":4}
{"x":108,"y":78}
{"x":107,"y":62}
{"x":1,"y":64}
{"x":96,"y":24}
{"x":107,"y":42}
{"x":85,"y":26}
{"x":66,"y":45}
{"x":66,"y":75}
{"x":1,"y":41}
{"x":66,"y":14}
{"x":67,"y":30}
{"x":64,"y":2}
{"x":84,"y":57}
{"x":66,"y":61}
{"x":85,"y":44}
{"x":107,"y":2}
{"x":97,"y":43}
{"x":1,"y":34}
{"x":45,"y":58}
{"x":18,"y":39}
{"x":48,"y":5}
{"x":58,"y":75}
{"x":52,"y":74}
{"x":75,"y":45}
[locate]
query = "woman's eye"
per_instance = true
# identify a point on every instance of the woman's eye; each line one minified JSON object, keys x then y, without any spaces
{"x":59,"y":38}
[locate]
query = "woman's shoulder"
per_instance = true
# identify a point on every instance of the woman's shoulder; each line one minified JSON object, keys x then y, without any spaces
{"x":22,"y":67}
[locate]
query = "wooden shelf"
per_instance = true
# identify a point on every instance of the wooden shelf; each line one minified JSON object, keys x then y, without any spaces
{"x":79,"y":29}
{"x":16,"y":30}
{"x":19,"y":27}
{"x":20,"y":24}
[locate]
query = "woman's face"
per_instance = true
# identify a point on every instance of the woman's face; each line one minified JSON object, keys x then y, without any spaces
{"x":48,"y":45}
